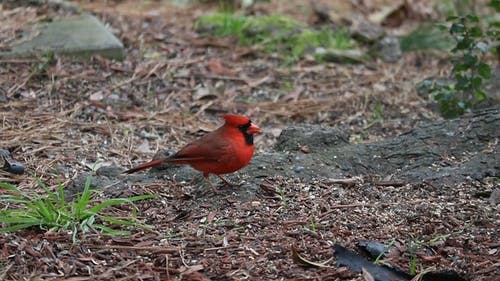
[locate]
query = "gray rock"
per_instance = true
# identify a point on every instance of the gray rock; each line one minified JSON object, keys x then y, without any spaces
{"x":310,"y":135}
{"x":495,"y":197}
{"x":414,"y":156}
{"x":444,"y":152}
{"x":388,"y":49}
{"x":367,"y":32}
{"x":81,"y":37}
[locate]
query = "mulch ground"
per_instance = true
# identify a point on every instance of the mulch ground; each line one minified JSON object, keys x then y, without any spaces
{"x":62,"y":121}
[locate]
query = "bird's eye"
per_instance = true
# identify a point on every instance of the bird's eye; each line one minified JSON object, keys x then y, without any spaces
{"x":246,"y":126}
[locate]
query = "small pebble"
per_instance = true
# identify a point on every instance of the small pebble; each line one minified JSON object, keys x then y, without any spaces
{"x":299,"y":169}
{"x":15,"y":168}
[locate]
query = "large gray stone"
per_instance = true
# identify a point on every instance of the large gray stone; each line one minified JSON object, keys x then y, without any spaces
{"x":80,"y":36}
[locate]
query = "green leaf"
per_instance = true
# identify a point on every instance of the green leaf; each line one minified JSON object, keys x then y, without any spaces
{"x":451,"y":18}
{"x":16,"y":227}
{"x":479,"y":95}
{"x":460,"y":68}
{"x":442,"y":27}
{"x":51,"y":211}
{"x":470,"y":59}
{"x":457,"y":28}
{"x":119,"y":201}
{"x":15,"y":199}
{"x":495,"y":4}
{"x":463,"y":83}
{"x":47,"y":191}
{"x":476,"y":32}
{"x":87,"y":223}
{"x":82,"y":201}
{"x":483,"y":47}
{"x":484,"y":70}
{"x":43,"y":210}
{"x":62,"y":199}
{"x":463,"y":44}
{"x":9,"y":187}
{"x":17,"y":217}
{"x":472,"y":18}
{"x":476,"y":82}
{"x":491,"y":33}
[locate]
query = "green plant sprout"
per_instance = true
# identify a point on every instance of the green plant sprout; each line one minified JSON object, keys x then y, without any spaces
{"x":387,"y":249}
{"x":52,"y":212}
{"x":470,"y":68}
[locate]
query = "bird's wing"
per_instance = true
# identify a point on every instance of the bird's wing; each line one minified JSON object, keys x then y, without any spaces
{"x":211,"y":147}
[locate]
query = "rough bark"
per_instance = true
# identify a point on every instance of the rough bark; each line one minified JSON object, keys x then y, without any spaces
{"x":446,"y":152}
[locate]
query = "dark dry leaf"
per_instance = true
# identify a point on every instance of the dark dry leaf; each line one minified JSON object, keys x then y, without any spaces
{"x":298,"y":259}
{"x":356,"y":263}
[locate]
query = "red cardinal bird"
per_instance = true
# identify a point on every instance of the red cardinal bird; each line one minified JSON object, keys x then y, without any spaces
{"x":223,"y":151}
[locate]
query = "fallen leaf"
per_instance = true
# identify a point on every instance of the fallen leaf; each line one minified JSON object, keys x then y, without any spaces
{"x":204,"y":93}
{"x":298,"y":259}
{"x":216,"y":67}
{"x":367,"y":275}
{"x":97,"y":96}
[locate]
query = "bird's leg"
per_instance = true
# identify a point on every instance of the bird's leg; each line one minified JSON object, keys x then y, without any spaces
{"x":212,"y":186}
{"x":196,"y":180}
{"x":226,"y":181}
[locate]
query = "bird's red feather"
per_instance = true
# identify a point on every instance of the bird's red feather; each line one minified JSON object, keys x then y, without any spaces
{"x":222,"y":151}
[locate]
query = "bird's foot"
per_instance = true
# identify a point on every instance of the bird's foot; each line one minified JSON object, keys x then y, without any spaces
{"x":228,"y":183}
{"x":213,"y":187}
{"x":204,"y":191}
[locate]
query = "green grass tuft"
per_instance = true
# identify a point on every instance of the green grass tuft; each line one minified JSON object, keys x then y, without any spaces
{"x":275,"y":34}
{"x":22,"y":210}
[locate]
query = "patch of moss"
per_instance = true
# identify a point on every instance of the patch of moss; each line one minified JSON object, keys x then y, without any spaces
{"x":426,"y":37}
{"x":276,"y":34}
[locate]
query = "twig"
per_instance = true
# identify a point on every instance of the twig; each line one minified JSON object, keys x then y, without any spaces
{"x":181,"y":254}
{"x":346,"y":182}
{"x":2,"y":275}
{"x":136,"y":248}
{"x":166,"y":266}
{"x":220,"y":248}
{"x":389,"y":183}
{"x":123,"y":83}
{"x":209,"y":76}
{"x":16,"y":87}
{"x":488,"y":269}
{"x":421,"y":274}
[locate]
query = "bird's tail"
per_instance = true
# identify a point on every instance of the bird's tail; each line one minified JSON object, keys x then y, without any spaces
{"x":147,"y":165}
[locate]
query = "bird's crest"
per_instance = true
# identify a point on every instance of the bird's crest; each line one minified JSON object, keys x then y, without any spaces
{"x":236,"y":120}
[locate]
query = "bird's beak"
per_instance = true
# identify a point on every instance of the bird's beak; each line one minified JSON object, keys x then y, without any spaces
{"x":253,"y":129}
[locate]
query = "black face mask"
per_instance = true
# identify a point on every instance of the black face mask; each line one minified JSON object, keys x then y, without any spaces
{"x":243,"y":129}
